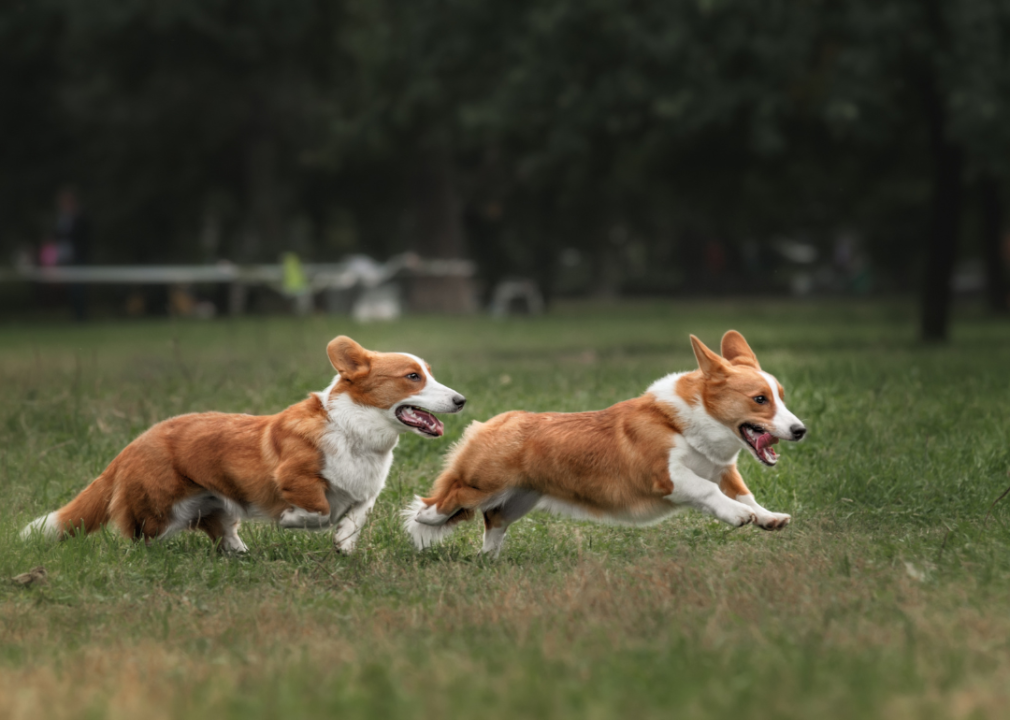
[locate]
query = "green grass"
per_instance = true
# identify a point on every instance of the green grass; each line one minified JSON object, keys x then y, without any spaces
{"x":888,"y":596}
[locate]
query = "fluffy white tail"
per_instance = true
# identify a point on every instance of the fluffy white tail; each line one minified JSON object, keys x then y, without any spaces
{"x":430,"y":532}
{"x":46,"y":526}
{"x":85,"y":513}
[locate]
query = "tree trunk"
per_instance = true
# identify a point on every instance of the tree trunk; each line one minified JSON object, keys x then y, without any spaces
{"x":264,"y":239}
{"x":992,"y":240}
{"x":608,"y":274}
{"x":945,"y":216}
{"x":438,"y":234}
{"x":263,"y":221}
{"x":946,"y":201}
{"x":941,"y":252}
{"x":438,"y":216}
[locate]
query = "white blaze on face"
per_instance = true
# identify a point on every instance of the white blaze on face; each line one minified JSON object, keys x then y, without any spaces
{"x":784,"y":421}
{"x":435,"y":397}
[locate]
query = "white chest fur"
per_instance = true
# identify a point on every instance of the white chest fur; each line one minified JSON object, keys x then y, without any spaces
{"x":357,"y":448}
{"x":707,"y":447}
{"x":684,"y":457}
{"x":358,"y":472}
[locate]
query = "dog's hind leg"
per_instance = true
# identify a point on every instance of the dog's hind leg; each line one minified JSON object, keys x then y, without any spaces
{"x":301,"y":485}
{"x":230,"y":541}
{"x":222,"y":529}
{"x":456,"y":497}
{"x":497,"y":518}
{"x":430,"y":520}
{"x":424,"y":525}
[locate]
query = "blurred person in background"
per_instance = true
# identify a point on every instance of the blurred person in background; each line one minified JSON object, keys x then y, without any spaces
{"x":72,"y":245}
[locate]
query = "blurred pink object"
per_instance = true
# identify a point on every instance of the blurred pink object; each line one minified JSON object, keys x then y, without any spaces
{"x":49,"y":255}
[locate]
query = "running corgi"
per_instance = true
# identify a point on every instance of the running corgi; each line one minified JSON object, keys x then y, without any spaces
{"x":321,"y":462}
{"x":634,"y":463}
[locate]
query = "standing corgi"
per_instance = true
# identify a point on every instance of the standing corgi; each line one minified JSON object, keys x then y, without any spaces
{"x":634,"y":463}
{"x":320,"y":462}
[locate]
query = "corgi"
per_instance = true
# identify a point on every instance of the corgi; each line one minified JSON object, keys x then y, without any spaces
{"x":633,"y":463}
{"x":319,"y":463}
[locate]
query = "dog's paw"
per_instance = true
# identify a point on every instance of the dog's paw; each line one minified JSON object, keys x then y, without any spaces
{"x":340,"y":549}
{"x":345,"y":537}
{"x":292,"y":518}
{"x":233,"y":546}
{"x":343,"y":548}
{"x":737,"y":515}
{"x":773,"y":521}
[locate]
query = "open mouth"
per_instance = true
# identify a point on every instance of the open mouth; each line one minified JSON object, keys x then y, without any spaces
{"x":760,"y":442}
{"x":421,"y":420}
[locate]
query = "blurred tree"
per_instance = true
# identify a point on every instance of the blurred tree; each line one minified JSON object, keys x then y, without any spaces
{"x":35,"y":137}
{"x":188,"y":108}
{"x":928,"y":78}
{"x":645,"y":140}
{"x":980,"y":102}
{"x":992,"y":244}
{"x":579,"y":123}
{"x":421,"y":70}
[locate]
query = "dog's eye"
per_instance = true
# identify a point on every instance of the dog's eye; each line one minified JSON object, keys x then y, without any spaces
{"x":414,"y":376}
{"x":760,"y":399}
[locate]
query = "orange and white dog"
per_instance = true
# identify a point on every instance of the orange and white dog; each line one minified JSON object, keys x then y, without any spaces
{"x":321,"y":462}
{"x":635,"y":462}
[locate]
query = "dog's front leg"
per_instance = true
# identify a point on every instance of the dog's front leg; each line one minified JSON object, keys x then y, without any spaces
{"x":733,"y":486}
{"x":305,"y":491}
{"x":295,"y":518}
{"x":345,"y":537}
{"x":766,"y":519}
{"x":701,"y":494}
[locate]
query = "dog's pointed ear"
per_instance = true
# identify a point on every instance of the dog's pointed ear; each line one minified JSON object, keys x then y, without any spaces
{"x":736,"y":350}
{"x":348,"y":358}
{"x":709,"y":363}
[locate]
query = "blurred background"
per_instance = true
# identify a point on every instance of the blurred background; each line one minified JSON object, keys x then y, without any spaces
{"x":205,"y":157}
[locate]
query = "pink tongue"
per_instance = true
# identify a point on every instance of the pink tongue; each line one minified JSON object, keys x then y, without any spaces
{"x":430,"y":422}
{"x":765,"y":440}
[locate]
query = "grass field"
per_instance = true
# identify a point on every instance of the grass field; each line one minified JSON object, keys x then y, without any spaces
{"x":888,"y":596}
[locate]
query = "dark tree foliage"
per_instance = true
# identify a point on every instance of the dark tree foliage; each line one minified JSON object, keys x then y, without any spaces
{"x":659,"y":146}
{"x":173,"y":119}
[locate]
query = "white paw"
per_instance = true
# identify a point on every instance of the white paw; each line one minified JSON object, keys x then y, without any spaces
{"x":737,"y":515}
{"x":493,"y":540}
{"x":772,"y":521}
{"x":345,"y":537}
{"x":288,"y":518}
{"x":233,"y":545}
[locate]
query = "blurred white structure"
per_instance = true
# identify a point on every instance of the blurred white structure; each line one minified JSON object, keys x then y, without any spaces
{"x":378,"y":303}
{"x":439,"y":286}
{"x":517,"y":297}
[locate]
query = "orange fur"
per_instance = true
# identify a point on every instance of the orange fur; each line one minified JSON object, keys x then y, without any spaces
{"x":633,"y":462}
{"x":262,"y":465}
{"x":612,"y":460}
{"x":371,"y":378}
{"x":267,"y":462}
{"x":727,"y":386}
{"x":731,"y":483}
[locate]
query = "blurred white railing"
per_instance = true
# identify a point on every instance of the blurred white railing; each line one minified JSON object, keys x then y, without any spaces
{"x":357,"y":271}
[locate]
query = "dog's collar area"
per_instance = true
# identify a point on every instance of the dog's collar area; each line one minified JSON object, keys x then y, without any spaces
{"x":421,"y":420}
{"x":760,"y":442}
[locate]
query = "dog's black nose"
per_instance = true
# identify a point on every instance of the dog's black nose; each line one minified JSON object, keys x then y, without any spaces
{"x":798,"y":432}
{"x":459,"y":401}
